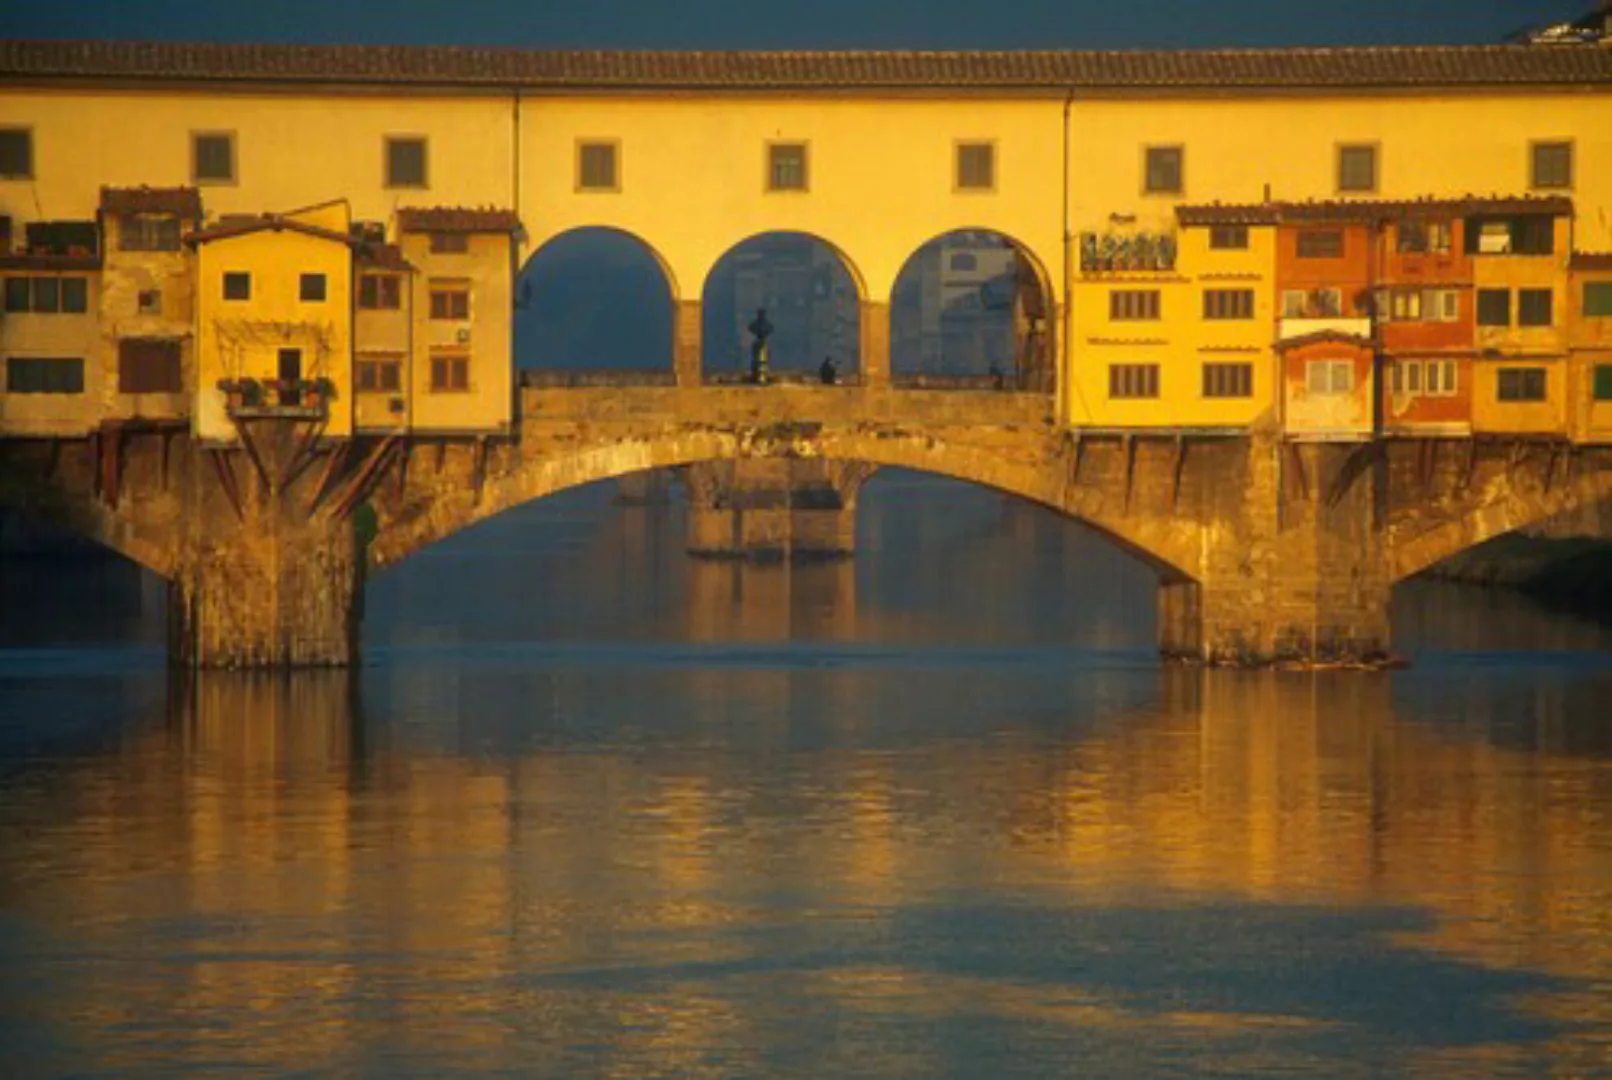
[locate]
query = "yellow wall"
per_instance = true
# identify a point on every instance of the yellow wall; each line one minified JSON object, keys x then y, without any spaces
{"x":881,"y":184}
{"x":488,"y":405}
{"x":1448,"y":145}
{"x":1590,"y":339}
{"x":25,"y":334}
{"x":291,"y":149}
{"x":1514,"y":272}
{"x":1491,"y":415}
{"x":377,"y":334}
{"x":880,"y":175}
{"x":238,"y":339}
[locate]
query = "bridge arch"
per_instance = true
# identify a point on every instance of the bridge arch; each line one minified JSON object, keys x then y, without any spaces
{"x":973,"y":304}
{"x":1171,"y":548}
{"x":592,"y":297}
{"x":813,"y":293}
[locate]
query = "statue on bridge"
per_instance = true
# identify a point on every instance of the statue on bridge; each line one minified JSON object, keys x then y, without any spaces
{"x":761,"y":329}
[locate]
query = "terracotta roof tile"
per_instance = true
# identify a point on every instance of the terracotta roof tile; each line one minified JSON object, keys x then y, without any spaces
{"x":1369,"y":210}
{"x":1342,"y":68}
{"x":382,"y":257}
{"x":183,"y":201}
{"x":417,"y":219}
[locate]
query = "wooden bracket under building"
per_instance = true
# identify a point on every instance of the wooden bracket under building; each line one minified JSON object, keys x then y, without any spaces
{"x":226,"y":480}
{"x":404,"y":449}
{"x":1180,"y":465}
{"x":1130,"y":466}
{"x":110,"y":448}
{"x":1471,"y":464}
{"x":363,"y":480}
{"x":333,"y":465}
{"x":442,"y":454}
{"x":478,"y":468}
{"x":1296,"y":454}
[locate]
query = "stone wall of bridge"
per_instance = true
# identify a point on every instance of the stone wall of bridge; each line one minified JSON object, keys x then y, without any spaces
{"x":1266,"y":549}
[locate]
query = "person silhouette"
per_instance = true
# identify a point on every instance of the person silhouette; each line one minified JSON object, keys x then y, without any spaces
{"x":761,"y":330}
{"x":829,"y":373}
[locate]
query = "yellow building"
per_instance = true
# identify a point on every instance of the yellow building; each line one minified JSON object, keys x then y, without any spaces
{"x":274,"y":320}
{"x":873,"y":153}
{"x":461,"y":318}
{"x":1589,"y":333}
{"x":1520,"y":278}
{"x":50,"y":337}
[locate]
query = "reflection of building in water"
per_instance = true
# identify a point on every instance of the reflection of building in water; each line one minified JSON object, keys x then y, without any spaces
{"x":393,"y":882}
{"x":741,"y":601}
{"x":810,"y":300}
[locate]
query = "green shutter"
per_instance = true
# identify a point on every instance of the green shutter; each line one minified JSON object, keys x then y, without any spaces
{"x":1598,"y":298}
{"x":1603,"y":382}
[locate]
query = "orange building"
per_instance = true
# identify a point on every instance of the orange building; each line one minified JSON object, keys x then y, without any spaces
{"x":1325,"y":254}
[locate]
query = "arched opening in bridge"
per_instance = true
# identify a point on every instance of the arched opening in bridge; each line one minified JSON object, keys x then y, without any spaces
{"x":972,"y":308}
{"x":812,"y":299}
{"x":594,"y":304}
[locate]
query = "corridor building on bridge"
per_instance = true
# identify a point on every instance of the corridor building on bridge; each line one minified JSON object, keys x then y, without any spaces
{"x":1332,"y":252}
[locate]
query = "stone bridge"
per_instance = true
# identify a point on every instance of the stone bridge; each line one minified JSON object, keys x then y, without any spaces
{"x":1266,"y":550}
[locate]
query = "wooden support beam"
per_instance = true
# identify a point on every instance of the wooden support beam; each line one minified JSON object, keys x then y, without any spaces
{"x":1296,"y":452}
{"x":302,"y":456}
{"x":442,"y":454}
{"x":110,"y":465}
{"x":167,"y":437}
{"x":250,"y":446}
{"x":363,"y":480}
{"x":1180,"y":465}
{"x":478,"y":468}
{"x":403,"y":451}
{"x":1080,"y":456}
{"x":338,"y":458}
{"x":226,"y":480}
{"x":1471,"y":464}
{"x":1130,"y":466}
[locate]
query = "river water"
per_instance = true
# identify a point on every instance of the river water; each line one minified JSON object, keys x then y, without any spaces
{"x":593,"y":809}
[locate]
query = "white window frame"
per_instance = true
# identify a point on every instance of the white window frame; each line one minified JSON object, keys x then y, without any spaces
{"x":1331,"y":378}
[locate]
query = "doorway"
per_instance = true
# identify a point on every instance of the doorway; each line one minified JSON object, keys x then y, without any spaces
{"x":290,"y":378}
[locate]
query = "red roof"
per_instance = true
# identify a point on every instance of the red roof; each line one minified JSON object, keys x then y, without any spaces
{"x":382,"y":257}
{"x":241,"y":226}
{"x":1369,"y":210}
{"x":182,"y":201}
{"x":418,"y":219}
{"x":1035,"y":71}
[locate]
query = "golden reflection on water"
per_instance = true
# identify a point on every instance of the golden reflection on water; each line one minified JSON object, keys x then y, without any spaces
{"x":276,"y":879}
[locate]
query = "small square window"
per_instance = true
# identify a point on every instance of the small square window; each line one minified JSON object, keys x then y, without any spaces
{"x":1603,"y":382}
{"x":380,"y":292}
{"x":786,"y":167}
{"x":312,"y":288}
{"x":597,"y":166}
{"x":1357,"y":168}
{"x":1162,"y":168}
{"x":212,"y":157}
{"x":1521,"y":384}
{"x":1552,"y":165}
{"x":1228,"y":303}
{"x":237,"y":285}
{"x":1228,"y":237}
{"x":450,"y":243}
{"x":1228,"y":380}
{"x":450,"y":303}
{"x":1598,"y":298}
{"x":1533,"y":307}
{"x":1320,"y":244}
{"x":1494,"y":307}
{"x":149,"y":302}
{"x":47,"y":295}
{"x":405,"y":161}
{"x":16,"y":154}
{"x":75,"y":295}
{"x":976,"y":166}
{"x":450,"y":372}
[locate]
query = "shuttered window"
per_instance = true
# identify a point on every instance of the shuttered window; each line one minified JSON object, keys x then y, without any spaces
{"x":1228,"y":380}
{"x":1522,"y":384}
{"x":148,"y":366}
{"x":1228,"y":303}
{"x":45,"y":375}
{"x":1125,"y":305}
{"x":1133,"y":380}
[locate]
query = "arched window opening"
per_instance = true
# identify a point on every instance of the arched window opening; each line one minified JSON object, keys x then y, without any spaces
{"x":812,"y":312}
{"x":971,"y":309}
{"x":593,"y":306}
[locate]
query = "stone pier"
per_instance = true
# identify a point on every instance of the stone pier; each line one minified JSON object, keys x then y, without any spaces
{"x":780,"y":508}
{"x":269,"y":574}
{"x":1298,"y":572}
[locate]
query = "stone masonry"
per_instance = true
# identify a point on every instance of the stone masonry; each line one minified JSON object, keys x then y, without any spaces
{"x":1267,"y":550}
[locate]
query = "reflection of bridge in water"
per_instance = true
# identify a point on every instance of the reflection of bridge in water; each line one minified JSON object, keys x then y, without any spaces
{"x":290,"y":804}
